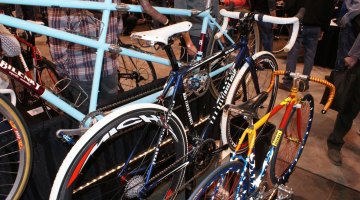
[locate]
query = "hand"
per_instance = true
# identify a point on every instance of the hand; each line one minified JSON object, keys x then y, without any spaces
{"x":350,"y":61}
{"x":191,"y":49}
{"x":273,"y":13}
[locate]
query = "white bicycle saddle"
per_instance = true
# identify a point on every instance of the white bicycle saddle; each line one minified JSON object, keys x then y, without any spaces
{"x":162,"y":34}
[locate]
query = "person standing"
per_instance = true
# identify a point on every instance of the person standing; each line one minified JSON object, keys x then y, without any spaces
{"x":77,"y":61}
{"x":348,"y":56}
{"x":267,"y":7}
{"x":190,"y":40}
{"x":316,"y":20}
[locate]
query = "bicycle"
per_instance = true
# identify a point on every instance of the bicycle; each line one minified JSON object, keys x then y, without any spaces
{"x":43,"y":70}
{"x":161,"y":153}
{"x":134,"y":72}
{"x":237,"y":178}
{"x":93,"y":115}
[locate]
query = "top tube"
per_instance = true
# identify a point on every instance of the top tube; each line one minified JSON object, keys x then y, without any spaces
{"x":94,"y":5}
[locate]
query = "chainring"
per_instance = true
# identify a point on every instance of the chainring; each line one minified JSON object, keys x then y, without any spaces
{"x":197,"y":83}
{"x":92,"y":117}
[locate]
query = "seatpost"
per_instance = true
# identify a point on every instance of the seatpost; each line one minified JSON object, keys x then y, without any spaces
{"x":249,"y":119}
{"x":208,"y":4}
{"x":170,"y":53}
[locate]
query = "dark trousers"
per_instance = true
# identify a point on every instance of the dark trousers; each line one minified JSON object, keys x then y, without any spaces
{"x":266,"y":35}
{"x":309,"y":38}
{"x":108,"y":90}
{"x":344,"y":119}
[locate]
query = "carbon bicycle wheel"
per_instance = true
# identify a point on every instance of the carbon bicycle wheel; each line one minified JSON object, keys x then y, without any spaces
{"x":243,"y":89}
{"x":111,"y":160}
{"x":133,"y":72}
{"x":221,"y":183}
{"x":292,"y":142}
{"x":15,"y":151}
{"x":216,"y":45}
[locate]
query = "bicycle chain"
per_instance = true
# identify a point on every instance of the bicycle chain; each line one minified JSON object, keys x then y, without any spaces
{"x":121,"y":102}
{"x":172,"y":165}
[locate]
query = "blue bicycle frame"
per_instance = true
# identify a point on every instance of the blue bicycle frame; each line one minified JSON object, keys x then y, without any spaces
{"x":106,"y":7}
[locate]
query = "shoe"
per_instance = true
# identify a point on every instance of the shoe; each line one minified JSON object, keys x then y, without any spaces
{"x":334,"y":156}
{"x":285,"y":86}
{"x":303,"y":86}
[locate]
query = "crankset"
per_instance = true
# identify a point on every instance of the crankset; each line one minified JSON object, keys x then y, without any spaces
{"x":204,"y":153}
{"x":197,"y":83}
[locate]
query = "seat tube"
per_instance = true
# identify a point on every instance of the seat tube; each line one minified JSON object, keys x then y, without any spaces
{"x":99,"y":59}
{"x":205,"y":23}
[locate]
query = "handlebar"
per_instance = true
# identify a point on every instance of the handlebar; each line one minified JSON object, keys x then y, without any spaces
{"x":148,"y":9}
{"x":307,"y":78}
{"x":266,"y":18}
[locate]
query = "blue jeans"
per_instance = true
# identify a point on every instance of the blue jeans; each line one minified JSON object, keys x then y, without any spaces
{"x":266,"y":35}
{"x":309,"y":37}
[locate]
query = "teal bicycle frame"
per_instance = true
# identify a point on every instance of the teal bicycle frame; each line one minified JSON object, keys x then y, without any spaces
{"x":106,"y":7}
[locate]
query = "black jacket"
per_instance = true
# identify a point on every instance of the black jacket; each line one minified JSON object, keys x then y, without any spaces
{"x":318,"y":12}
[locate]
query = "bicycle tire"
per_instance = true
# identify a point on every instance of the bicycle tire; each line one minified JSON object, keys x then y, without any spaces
{"x":254,"y":47}
{"x":232,"y":170}
{"x":232,"y":126}
{"x":15,"y":151}
{"x":285,"y":159}
{"x":86,"y":152}
{"x":133,"y":72}
{"x":20,"y":91}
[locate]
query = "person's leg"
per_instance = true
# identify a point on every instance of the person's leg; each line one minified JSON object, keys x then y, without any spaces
{"x":266,"y":35}
{"x":108,"y":89}
{"x":77,"y":90}
{"x":291,"y":61}
{"x":310,"y":41}
{"x":343,"y":124}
